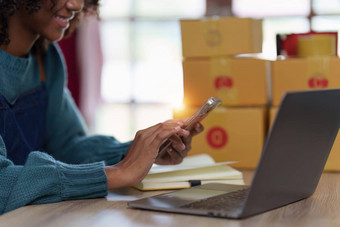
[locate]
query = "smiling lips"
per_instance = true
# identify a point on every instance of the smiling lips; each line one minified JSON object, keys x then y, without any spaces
{"x":63,"y":21}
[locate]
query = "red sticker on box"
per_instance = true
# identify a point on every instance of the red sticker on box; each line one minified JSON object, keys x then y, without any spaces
{"x":318,"y":82}
{"x":217,"y":137}
{"x":223,"y":82}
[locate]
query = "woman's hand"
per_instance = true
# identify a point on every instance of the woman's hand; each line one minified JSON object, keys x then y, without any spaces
{"x":143,"y":152}
{"x":180,"y":146}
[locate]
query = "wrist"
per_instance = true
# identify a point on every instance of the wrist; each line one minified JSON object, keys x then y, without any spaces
{"x":115,"y":177}
{"x":118,"y":176}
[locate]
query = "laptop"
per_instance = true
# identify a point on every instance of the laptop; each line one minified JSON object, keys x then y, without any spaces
{"x":292,"y":161}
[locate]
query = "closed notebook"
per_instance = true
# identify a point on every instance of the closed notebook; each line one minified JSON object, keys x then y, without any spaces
{"x":194,"y":170}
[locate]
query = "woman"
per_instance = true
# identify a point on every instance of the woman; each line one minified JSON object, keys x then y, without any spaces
{"x":45,"y":154}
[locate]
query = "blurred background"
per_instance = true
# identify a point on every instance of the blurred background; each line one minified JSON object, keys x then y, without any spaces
{"x":125,"y":71}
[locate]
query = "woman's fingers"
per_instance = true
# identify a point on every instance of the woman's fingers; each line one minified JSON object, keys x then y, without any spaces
{"x":175,"y":157}
{"x":198,"y":128}
{"x":147,"y":143}
{"x":144,"y":150}
{"x":165,"y":134}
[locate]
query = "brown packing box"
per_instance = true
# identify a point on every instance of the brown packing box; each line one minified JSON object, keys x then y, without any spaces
{"x":221,"y":36}
{"x":333,"y":162}
{"x":237,"y":81}
{"x":230,"y":134}
{"x":294,"y":74}
{"x":317,"y":45}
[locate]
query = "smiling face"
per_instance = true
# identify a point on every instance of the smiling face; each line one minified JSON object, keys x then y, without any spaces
{"x":50,"y":22}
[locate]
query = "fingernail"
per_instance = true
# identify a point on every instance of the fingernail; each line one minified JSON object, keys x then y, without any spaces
{"x":178,"y":128}
{"x":69,"y":4}
{"x":186,"y":132}
{"x":198,"y":126}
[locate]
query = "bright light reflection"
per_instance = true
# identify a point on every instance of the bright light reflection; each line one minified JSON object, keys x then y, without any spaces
{"x":268,"y":8}
{"x":178,"y":105}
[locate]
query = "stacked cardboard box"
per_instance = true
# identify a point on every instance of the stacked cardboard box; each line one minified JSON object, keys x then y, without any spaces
{"x":307,"y":44}
{"x":235,"y":131}
{"x":315,"y":66}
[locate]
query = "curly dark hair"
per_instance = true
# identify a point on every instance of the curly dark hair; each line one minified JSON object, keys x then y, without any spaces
{"x":8,"y":8}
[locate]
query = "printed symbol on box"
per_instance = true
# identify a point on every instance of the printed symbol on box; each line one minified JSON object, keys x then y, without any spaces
{"x":318,"y":81}
{"x":217,"y":137}
{"x":223,"y":82}
{"x":213,"y":37}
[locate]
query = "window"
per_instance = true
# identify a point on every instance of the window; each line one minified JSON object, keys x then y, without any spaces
{"x":270,"y":8}
{"x":142,"y":49}
{"x":289,"y":16}
{"x":326,"y":6}
{"x":328,"y":18}
{"x":278,"y":18}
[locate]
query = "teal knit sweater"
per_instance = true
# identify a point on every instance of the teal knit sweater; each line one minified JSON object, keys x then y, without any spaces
{"x":72,"y":164}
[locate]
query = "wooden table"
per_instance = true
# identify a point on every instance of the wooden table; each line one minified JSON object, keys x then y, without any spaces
{"x":322,"y":209}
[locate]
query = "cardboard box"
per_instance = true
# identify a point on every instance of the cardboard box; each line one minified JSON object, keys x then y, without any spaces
{"x":236,"y":81}
{"x":333,"y":162}
{"x":317,"y":45}
{"x":221,"y":36}
{"x":294,"y":74}
{"x":230,"y":134}
{"x":288,"y":44}
{"x":272,"y":115}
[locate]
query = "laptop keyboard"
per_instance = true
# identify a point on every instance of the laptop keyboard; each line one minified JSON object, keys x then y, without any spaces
{"x":231,"y":201}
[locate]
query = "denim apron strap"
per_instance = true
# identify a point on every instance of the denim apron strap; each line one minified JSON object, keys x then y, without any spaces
{"x":22,"y":125}
{"x":41,"y":67}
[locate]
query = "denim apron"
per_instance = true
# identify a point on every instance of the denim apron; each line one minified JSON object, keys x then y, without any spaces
{"x":22,"y":124}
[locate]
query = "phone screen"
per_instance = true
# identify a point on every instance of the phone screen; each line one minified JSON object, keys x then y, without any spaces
{"x":198,"y":116}
{"x":202,"y":112}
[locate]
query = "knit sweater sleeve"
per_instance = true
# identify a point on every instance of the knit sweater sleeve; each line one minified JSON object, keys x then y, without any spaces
{"x":68,"y":141}
{"x":72,"y":164}
{"x":44,"y":180}
{"x":66,"y":136}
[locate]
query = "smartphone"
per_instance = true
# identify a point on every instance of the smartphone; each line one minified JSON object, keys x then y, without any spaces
{"x":198,"y":116}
